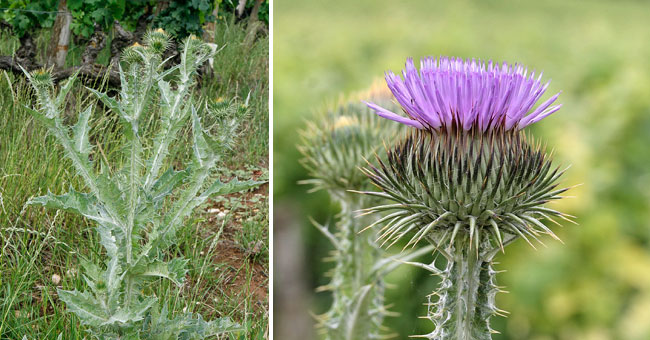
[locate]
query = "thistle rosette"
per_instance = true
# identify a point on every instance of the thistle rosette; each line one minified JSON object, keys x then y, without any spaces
{"x":467,"y":180}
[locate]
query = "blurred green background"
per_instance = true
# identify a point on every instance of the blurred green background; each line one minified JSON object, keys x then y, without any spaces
{"x":594,"y":287}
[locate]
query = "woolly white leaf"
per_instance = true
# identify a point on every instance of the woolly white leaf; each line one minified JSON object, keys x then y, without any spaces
{"x":84,"y":305}
{"x":80,"y":132}
{"x":81,"y":203}
{"x":174,"y":270}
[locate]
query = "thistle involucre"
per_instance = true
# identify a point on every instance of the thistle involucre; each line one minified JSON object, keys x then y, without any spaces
{"x":484,"y":184}
{"x":467,"y":179}
{"x":334,"y":147}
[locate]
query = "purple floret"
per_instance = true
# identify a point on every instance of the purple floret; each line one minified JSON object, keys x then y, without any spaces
{"x":450,"y":92}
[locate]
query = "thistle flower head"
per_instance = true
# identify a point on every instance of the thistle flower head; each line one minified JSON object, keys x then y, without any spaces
{"x":134,"y":54}
{"x":336,"y":145}
{"x":198,"y":50}
{"x":155,"y":43}
{"x":468,"y":172}
{"x":468,"y":94}
{"x":157,"y":40}
{"x":42,"y":79}
{"x":43,"y":84}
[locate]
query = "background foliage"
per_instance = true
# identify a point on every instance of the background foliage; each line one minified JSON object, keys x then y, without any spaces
{"x":597,"y":285}
{"x":180,"y":18}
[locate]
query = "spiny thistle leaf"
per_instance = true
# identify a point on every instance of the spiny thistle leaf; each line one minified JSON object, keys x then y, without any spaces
{"x":65,"y":89}
{"x":111,"y":103}
{"x":80,"y":132}
{"x":188,"y":326}
{"x":85,"y":306}
{"x":234,"y":185}
{"x":167,"y":182}
{"x":174,"y":270}
{"x":84,"y":204}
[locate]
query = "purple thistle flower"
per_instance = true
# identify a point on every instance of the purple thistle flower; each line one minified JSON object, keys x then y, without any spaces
{"x":450,"y":92}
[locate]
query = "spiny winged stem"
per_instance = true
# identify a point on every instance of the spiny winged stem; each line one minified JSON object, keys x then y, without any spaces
{"x":136,"y":209}
{"x":334,"y":148}
{"x":461,"y":307}
{"x":357,"y":286}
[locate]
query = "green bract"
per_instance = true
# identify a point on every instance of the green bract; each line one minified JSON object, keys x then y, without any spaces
{"x":481,"y":184}
{"x":137,"y":205}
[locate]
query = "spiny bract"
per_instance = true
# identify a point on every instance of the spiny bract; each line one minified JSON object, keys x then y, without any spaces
{"x":443,"y":184}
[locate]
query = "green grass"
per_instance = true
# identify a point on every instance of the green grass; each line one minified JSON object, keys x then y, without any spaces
{"x":596,"y":285}
{"x":36,"y":244}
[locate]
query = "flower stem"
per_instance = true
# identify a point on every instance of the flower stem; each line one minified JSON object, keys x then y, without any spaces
{"x":462,"y":305}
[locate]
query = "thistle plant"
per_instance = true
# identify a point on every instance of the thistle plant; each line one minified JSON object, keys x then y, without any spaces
{"x":467,"y":180}
{"x":137,"y":202}
{"x":334,"y":148}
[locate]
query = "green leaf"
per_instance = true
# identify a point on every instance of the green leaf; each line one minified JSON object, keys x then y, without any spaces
{"x":223,"y":325}
{"x":48,"y":122}
{"x":90,"y":269}
{"x":84,"y":305}
{"x":204,"y":148}
{"x":130,"y":314}
{"x":111,"y":195}
{"x":108,"y":240}
{"x":74,"y":4}
{"x":172,"y":122}
{"x":91,"y":275}
{"x":60,"y":98}
{"x":189,"y":326}
{"x":117,"y":9}
{"x":112,"y":275}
